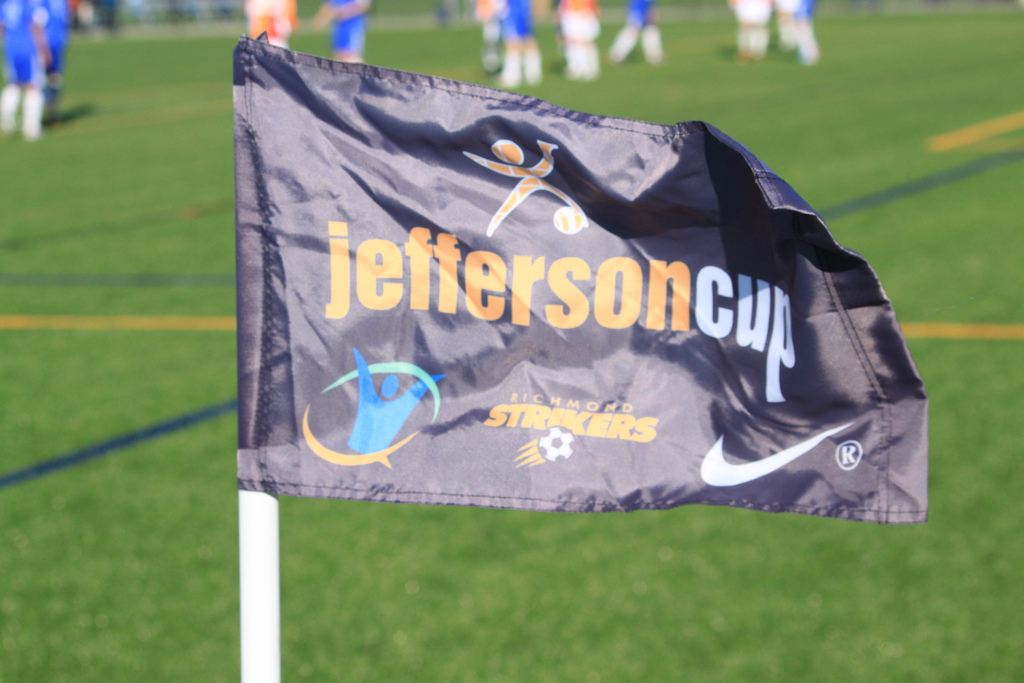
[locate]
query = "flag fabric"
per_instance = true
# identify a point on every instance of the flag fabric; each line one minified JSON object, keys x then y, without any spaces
{"x":449,"y":294}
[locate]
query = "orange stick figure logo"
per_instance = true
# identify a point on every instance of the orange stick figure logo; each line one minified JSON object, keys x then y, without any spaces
{"x":568,"y":220}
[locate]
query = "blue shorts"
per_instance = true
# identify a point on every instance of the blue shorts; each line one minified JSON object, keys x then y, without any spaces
{"x":638,"y":12}
{"x":517,"y":23}
{"x":349,"y":35}
{"x":23,"y":68}
{"x":806,"y":10}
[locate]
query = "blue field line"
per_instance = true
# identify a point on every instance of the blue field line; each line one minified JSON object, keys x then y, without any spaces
{"x":107,"y":447}
{"x":919,"y":185}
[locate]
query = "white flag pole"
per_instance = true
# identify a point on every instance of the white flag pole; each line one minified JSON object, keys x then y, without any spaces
{"x":260,"y":586}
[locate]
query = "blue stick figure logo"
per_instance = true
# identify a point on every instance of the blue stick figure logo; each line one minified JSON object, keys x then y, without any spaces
{"x":379,"y":416}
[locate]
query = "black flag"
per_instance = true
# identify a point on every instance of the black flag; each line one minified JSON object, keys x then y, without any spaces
{"x":449,"y":294}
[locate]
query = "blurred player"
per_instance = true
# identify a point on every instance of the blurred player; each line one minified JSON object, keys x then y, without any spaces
{"x":752,"y":39}
{"x":580,"y":28}
{"x":522,"y":55}
{"x":348,"y":38}
{"x":26,"y":55}
{"x":58,"y":26}
{"x":807,"y":45}
{"x":276,"y":18}
{"x":642,"y":24}
{"x":489,"y":13}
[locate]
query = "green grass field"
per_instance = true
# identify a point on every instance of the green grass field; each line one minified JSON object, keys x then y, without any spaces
{"x":125,"y":568}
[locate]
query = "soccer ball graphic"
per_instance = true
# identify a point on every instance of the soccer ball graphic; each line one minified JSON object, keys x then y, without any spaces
{"x":569,"y":221}
{"x":555,"y":444}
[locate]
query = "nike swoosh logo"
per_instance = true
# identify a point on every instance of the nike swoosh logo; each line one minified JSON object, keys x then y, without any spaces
{"x":715,"y":471}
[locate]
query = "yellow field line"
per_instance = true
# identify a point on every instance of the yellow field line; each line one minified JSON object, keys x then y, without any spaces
{"x":226,"y":323}
{"x":1006,"y":143}
{"x":962,"y":331}
{"x":194,"y":323}
{"x":976,"y":133}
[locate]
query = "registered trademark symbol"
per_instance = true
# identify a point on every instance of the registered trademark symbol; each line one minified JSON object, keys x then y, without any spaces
{"x":848,"y":454}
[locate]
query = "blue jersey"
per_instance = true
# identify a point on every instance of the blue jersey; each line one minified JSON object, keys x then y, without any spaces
{"x":21,"y":54}
{"x":17,"y":17}
{"x":58,"y":22}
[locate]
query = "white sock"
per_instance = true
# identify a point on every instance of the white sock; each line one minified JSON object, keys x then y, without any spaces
{"x":651,"y":37}
{"x":532,"y":67}
{"x":492,"y":36}
{"x":759,"y":41}
{"x":492,"y":33}
{"x":593,"y":61}
{"x":511,"y":73}
{"x":624,"y":43}
{"x":9,"y":100}
{"x":32,"y":114}
{"x":573,"y":67}
{"x":743,"y":41}
{"x":809,"y":52}
{"x":787,"y":32}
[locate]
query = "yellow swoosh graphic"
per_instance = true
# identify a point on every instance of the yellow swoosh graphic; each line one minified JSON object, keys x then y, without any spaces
{"x":344,"y":458}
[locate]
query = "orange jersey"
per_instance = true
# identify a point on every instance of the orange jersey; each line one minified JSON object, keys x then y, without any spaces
{"x":489,"y":9}
{"x":581,"y":6}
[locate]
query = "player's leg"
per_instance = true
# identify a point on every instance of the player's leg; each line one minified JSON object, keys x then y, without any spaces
{"x":752,"y":39}
{"x":752,"y":42}
{"x":32,"y":113}
{"x":514,"y":31}
{"x":24,"y":75}
{"x":650,"y":39}
{"x":624,"y":43}
{"x":511,"y":75}
{"x":807,"y":44}
{"x":492,"y":37}
{"x":54,"y":84}
{"x":636,"y":18}
{"x":785,"y":21}
{"x":787,"y":31}
{"x":10,"y":98}
{"x":533,"y":68}
{"x":809,"y":52}
{"x":759,"y":41}
{"x":581,"y":29}
{"x":593,"y":60}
